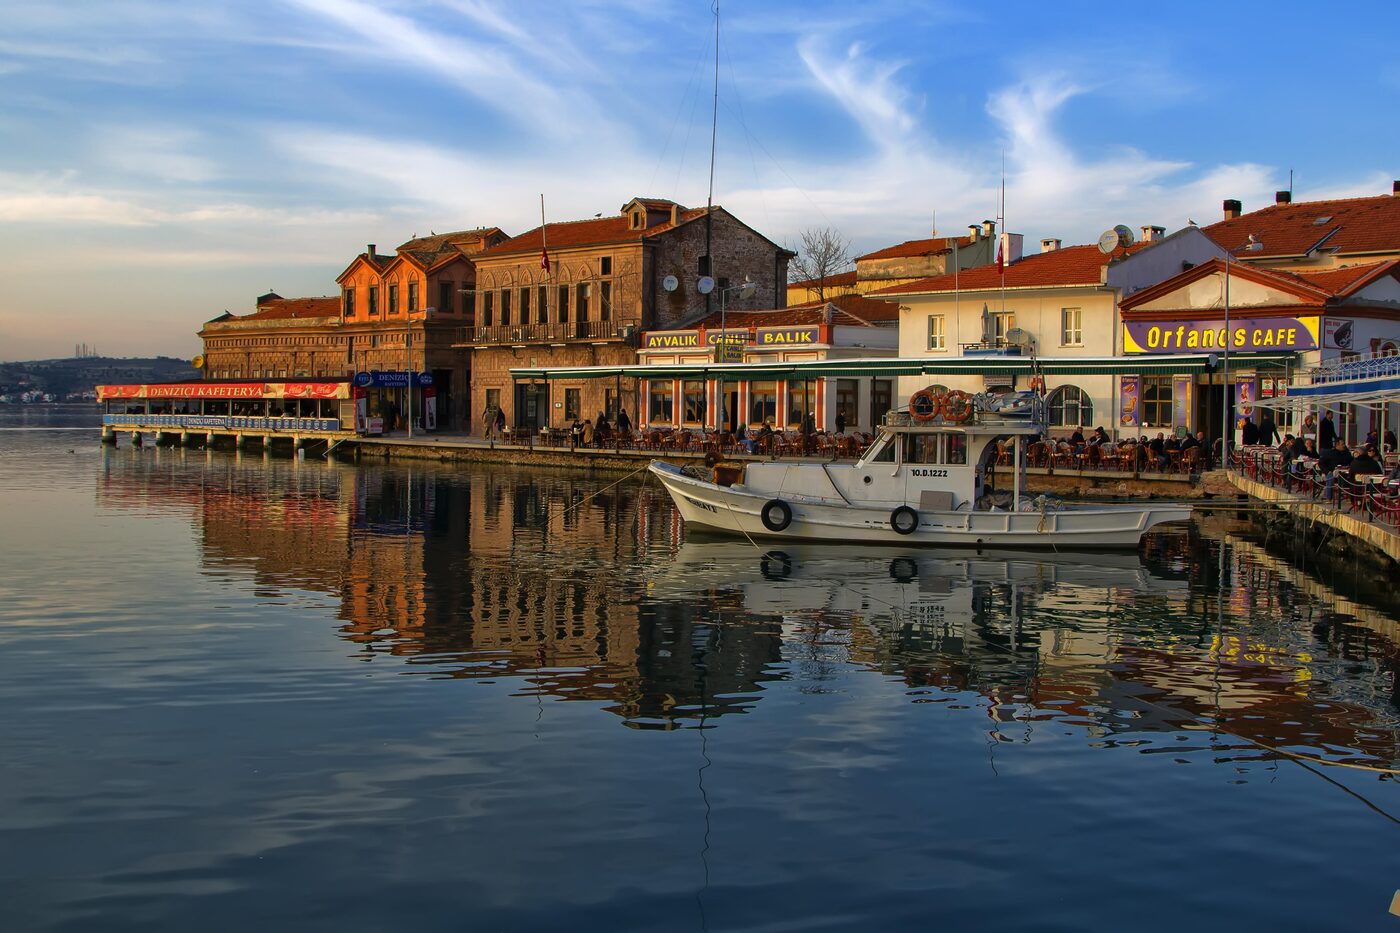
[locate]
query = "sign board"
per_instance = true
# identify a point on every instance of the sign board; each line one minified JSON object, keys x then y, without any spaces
{"x":1338,"y":334}
{"x":223,"y":390}
{"x":1129,"y":401}
{"x":391,"y":379}
{"x":729,"y":351}
{"x":225,"y":422}
{"x":763,"y":336}
{"x":1249,"y":335}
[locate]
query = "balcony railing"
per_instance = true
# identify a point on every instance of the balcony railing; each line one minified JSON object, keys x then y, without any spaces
{"x":555,"y":332}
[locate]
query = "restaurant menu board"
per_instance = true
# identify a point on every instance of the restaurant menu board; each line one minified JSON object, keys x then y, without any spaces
{"x":1246,"y":394}
{"x":1183,"y":393}
{"x":1129,"y":401}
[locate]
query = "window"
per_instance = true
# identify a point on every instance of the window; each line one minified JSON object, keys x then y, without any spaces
{"x":1071,"y":331}
{"x":882,"y":452}
{"x":524,"y":306}
{"x":661,"y":409}
{"x":349,"y":302}
{"x":605,"y":265}
{"x":488,"y":308}
{"x":703,"y":265}
{"x":921,"y":448}
{"x":799,"y":399}
{"x":505,"y":306}
{"x":847,"y":393}
{"x":571,"y":403}
{"x":955,"y":449}
{"x":374,"y":301}
{"x":605,"y":301}
{"x":693,"y":395}
{"x":1156,"y":401}
{"x":581,"y":295}
{"x":542,"y":305}
{"x":763,"y":402}
{"x":610,"y":402}
{"x":1001,"y":323}
{"x":412,"y":296}
{"x":374,"y":340}
{"x":1070,"y":407}
{"x":937,"y":340}
{"x":562,"y":308}
{"x":635,"y":221}
{"x":393,"y":297}
{"x":446,"y":294}
{"x":880,"y":395}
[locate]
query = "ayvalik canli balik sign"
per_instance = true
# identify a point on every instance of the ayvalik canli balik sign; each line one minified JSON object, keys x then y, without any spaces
{"x":760,"y":337}
{"x":1246,"y":335}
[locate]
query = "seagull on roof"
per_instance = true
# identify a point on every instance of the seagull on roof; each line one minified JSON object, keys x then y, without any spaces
{"x":1190,"y":222}
{"x":599,"y":214}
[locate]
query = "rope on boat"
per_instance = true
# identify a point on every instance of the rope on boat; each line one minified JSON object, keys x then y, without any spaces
{"x":598,"y":492}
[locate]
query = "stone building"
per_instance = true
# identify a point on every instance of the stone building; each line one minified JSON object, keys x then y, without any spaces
{"x":395,"y":313}
{"x":580,"y":293}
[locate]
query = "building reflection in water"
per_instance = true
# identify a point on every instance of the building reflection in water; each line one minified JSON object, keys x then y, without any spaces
{"x":582,"y":591}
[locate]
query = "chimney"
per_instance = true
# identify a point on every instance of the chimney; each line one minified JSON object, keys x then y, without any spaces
{"x":1049,"y":244}
{"x":1395,"y":189}
{"x":369,"y":251}
{"x":974,"y":232}
{"x":675,"y":214}
{"x":1283,"y":197}
{"x":989,"y":228}
{"x":1232,"y":208}
{"x":1151,"y":234}
{"x":1011,"y":247}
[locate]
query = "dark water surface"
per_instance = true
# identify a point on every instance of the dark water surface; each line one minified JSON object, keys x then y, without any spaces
{"x":244,"y":693}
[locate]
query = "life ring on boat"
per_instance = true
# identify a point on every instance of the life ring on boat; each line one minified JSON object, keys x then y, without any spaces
{"x":957,"y":406}
{"x":776,"y":515}
{"x":924,"y":405}
{"x":904,"y":520}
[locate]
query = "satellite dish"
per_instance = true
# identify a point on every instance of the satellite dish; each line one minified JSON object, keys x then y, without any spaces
{"x":1108,"y":241}
{"x":705,"y":285}
{"x":198,"y":361}
{"x":670,"y":283}
{"x":1018,"y":337}
{"x":1125,"y":236}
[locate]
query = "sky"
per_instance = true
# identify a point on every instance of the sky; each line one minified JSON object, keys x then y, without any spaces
{"x":165,"y":162}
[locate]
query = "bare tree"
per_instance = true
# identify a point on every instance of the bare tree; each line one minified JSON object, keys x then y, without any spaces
{"x":823,"y":253}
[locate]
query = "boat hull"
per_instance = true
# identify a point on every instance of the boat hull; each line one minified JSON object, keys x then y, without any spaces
{"x":735,"y":510}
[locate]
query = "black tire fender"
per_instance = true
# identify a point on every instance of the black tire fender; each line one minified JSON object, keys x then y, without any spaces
{"x":776,"y":515}
{"x":775,"y":565}
{"x":904,"y":520}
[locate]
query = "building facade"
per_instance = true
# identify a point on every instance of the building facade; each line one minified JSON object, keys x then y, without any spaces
{"x":902,"y":263}
{"x":581,"y":293}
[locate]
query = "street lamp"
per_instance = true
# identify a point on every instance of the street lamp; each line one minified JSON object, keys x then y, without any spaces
{"x":1254,"y":245}
{"x":745,"y":289}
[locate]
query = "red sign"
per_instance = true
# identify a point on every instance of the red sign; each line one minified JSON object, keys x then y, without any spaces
{"x":310,"y":390}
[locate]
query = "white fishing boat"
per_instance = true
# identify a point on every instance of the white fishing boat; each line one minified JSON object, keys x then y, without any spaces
{"x":924,"y":480}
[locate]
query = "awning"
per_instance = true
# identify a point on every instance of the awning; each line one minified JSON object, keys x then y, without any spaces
{"x":1164,"y":364}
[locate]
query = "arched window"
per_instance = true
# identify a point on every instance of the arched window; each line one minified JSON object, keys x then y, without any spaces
{"x":1070,"y":407}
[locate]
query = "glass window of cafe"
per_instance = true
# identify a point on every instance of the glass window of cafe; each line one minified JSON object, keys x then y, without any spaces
{"x":763,"y":402}
{"x":571,"y":404}
{"x":1157,"y":401}
{"x":661,"y":408}
{"x":693,"y":391}
{"x":847,"y":395}
{"x":1070,"y":406}
{"x":799,"y":397}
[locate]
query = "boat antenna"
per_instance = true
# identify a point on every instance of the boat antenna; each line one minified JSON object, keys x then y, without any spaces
{"x":710,"y":198}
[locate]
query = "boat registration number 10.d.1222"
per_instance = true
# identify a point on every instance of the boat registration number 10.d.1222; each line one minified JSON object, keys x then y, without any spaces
{"x":922,"y":472}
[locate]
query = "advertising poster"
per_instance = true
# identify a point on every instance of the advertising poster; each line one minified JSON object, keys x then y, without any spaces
{"x":1129,"y":401}
{"x":1183,"y":397}
{"x":430,"y":408}
{"x":361,"y":410}
{"x":1246,"y":394}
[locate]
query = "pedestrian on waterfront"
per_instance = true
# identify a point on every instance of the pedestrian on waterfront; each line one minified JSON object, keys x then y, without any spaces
{"x":1326,"y":432}
{"x":500,"y":421}
{"x":624,"y":424}
{"x":488,"y":422}
{"x":809,"y":428}
{"x":1249,"y":432}
{"x":840,"y":422}
{"x":1268,"y":431}
{"x":575,"y":433}
{"x":588,"y":432}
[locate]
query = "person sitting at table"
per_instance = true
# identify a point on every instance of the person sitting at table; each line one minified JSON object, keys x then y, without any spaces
{"x":1337,"y":458}
{"x":1158,"y":446}
{"x":1388,"y":442}
{"x":588,"y":432}
{"x":1366,"y":464}
{"x":1099,"y":437}
{"x":1188,"y":442}
{"x":1371,"y":439}
{"x":1076,"y":440}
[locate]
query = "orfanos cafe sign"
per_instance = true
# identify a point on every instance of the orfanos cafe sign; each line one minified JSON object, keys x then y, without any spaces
{"x":1246,"y":335}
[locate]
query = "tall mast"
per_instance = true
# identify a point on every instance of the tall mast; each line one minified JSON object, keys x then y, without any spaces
{"x":710,"y":198}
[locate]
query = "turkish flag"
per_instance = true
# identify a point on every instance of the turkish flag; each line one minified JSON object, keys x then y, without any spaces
{"x":1000,"y":267}
{"x":544,"y":260}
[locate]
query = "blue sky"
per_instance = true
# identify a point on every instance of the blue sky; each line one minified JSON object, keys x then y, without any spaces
{"x":163,"y":162}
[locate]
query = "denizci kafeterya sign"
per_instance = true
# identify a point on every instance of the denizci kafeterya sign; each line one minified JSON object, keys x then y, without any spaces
{"x":1246,"y":335}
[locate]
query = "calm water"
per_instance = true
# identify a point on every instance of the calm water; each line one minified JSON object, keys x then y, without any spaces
{"x":244,"y":693}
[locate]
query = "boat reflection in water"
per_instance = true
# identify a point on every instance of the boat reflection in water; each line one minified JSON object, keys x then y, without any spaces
{"x":592,"y":594}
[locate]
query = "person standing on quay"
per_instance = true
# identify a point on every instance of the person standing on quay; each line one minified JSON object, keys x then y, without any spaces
{"x":624,"y":424}
{"x":500,"y":422}
{"x":488,"y":421}
{"x":1268,"y":433}
{"x":1326,"y":432}
{"x":840,"y":422}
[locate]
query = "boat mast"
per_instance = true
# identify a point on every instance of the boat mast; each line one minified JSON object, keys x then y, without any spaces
{"x":710,"y":198}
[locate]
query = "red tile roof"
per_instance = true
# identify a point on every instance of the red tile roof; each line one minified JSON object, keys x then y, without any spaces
{"x":1347,"y":226}
{"x":1070,"y":265}
{"x":850,"y":310}
{"x":930,"y":247}
{"x":576,"y":233}
{"x":437,"y":242}
{"x":287,"y":308}
{"x":1340,"y":282}
{"x":839,"y":280}
{"x":1313,"y":289}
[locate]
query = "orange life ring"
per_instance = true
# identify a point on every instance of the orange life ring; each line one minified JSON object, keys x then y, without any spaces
{"x":924,"y":405}
{"x":957,"y":406}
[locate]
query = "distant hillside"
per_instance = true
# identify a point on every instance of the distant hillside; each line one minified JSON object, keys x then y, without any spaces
{"x":76,"y":375}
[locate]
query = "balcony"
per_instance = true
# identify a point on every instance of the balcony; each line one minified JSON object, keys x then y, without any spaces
{"x":507,"y":335}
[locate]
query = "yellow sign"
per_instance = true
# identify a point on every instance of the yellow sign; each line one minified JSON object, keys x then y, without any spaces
{"x":730,"y":351}
{"x":198,"y":361}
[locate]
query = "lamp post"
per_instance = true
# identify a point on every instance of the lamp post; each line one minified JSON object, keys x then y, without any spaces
{"x":408,"y":349}
{"x":1254,"y":245}
{"x":745,"y":289}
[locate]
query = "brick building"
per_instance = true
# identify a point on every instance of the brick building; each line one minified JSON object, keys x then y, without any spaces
{"x":903,"y":263}
{"x":395,"y":312}
{"x":604,"y":281}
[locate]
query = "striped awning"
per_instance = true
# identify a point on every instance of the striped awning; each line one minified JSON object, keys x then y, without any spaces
{"x":1153,"y":364}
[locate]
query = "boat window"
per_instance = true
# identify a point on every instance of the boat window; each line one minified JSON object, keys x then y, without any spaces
{"x":882,"y":452}
{"x":921,"y":448}
{"x":957,"y":449}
